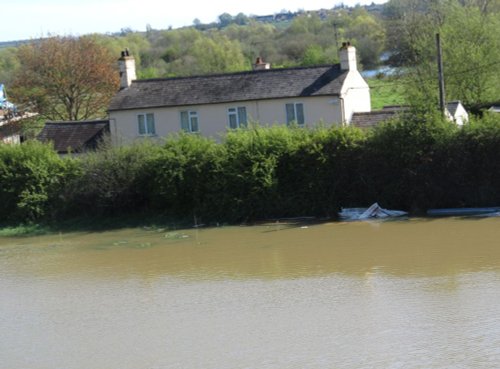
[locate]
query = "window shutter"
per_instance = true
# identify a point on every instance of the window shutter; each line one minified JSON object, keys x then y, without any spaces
{"x":141,"y":124}
{"x":232,"y":121}
{"x":290,"y":113}
{"x":300,"y":113}
{"x":242,"y":116}
{"x":194,"y":122}
{"x":150,"y":120}
{"x":184,"y":121}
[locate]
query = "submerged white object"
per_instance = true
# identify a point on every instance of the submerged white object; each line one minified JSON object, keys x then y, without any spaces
{"x":373,"y":212}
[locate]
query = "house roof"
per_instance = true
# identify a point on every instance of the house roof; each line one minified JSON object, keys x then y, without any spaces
{"x":74,"y":136}
{"x":233,"y":87}
{"x":10,"y":129}
{"x":371,"y":119}
{"x":452,"y":107}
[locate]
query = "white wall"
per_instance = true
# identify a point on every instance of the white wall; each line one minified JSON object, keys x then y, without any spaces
{"x":356,"y":95}
{"x":213,"y":119}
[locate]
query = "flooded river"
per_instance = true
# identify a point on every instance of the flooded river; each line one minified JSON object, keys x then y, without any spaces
{"x":408,"y":294}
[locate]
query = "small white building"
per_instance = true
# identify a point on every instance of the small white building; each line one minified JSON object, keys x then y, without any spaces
{"x":211,"y":104}
{"x":455,"y":112}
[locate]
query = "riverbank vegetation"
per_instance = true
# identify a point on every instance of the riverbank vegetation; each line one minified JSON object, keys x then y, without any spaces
{"x":413,"y":163}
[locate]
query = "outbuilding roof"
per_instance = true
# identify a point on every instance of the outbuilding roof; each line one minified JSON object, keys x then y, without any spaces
{"x":232,"y":87}
{"x":74,"y":137}
{"x":373,"y":118}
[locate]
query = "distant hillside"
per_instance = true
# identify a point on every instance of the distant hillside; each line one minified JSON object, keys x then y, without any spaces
{"x":6,"y":44}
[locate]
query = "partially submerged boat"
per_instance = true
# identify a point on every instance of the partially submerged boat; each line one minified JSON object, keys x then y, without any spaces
{"x":457,"y":212}
{"x":373,"y":212}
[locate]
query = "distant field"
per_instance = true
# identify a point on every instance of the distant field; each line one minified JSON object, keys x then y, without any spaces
{"x":385,"y":91}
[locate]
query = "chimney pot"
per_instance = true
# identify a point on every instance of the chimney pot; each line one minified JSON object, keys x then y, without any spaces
{"x":127,"y":69}
{"x":347,"y":56}
{"x":260,"y":64}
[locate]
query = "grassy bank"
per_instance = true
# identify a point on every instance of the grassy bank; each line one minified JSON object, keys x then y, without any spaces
{"x":415,"y":163}
{"x":386,"y":91}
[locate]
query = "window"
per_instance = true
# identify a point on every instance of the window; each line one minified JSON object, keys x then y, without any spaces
{"x":189,"y":121}
{"x":146,"y":123}
{"x":295,"y":113}
{"x":237,"y":117}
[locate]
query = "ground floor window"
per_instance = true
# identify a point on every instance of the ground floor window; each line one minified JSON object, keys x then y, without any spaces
{"x":189,"y":121}
{"x":237,"y":117}
{"x":146,"y":124}
{"x":295,"y":113}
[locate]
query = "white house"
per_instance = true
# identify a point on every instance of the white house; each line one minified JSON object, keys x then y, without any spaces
{"x":211,"y":104}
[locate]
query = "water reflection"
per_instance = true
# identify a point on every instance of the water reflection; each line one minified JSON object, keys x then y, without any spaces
{"x":413,"y":247}
{"x":414,"y":294}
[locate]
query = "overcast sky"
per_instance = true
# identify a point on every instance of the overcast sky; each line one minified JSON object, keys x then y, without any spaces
{"x":26,"y":19}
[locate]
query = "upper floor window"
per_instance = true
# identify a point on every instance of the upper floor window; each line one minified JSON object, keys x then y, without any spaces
{"x":295,"y":113}
{"x":189,"y":121}
{"x":146,"y":124}
{"x":237,"y":117}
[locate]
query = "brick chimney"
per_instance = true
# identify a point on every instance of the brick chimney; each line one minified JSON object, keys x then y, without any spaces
{"x":347,"y":56}
{"x":127,"y":69}
{"x":260,"y":64}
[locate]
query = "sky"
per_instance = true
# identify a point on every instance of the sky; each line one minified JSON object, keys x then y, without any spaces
{"x":28,"y":19}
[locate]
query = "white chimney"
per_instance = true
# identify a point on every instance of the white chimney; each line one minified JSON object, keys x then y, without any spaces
{"x":127,"y":69}
{"x":261,"y":65}
{"x":348,"y":57}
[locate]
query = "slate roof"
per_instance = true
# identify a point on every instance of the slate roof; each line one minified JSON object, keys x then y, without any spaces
{"x":10,"y":129}
{"x":76,"y":137}
{"x":452,"y":107}
{"x":223,"y":88}
{"x":371,"y":119}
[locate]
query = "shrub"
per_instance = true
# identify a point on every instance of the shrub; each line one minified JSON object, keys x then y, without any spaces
{"x":31,"y":178}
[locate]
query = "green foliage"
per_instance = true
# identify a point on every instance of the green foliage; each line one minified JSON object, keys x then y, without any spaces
{"x":186,"y":177}
{"x":471,"y":49}
{"x":9,"y":64}
{"x":191,"y":52}
{"x":110,"y":181}
{"x":31,"y":176}
{"x":414,"y":162}
{"x":386,"y":91}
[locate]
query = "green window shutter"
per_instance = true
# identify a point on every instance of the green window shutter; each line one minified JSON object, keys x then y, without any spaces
{"x":290,"y":113}
{"x":142,"y":124}
{"x":232,"y":121}
{"x":300,"y":113}
{"x":194,"y":122}
{"x":150,"y":121}
{"x":184,"y":121}
{"x":242,"y":116}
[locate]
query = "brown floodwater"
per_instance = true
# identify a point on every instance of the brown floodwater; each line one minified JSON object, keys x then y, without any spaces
{"x":417,"y":293}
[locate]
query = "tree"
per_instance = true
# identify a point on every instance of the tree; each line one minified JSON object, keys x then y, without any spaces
{"x":66,"y":78}
{"x":471,"y":49}
{"x":225,"y":19}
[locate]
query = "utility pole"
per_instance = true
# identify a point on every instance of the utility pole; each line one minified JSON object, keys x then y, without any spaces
{"x":336,"y":38}
{"x":442,"y":104}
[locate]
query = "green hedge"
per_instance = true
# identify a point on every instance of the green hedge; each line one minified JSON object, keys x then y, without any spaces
{"x":413,"y":163}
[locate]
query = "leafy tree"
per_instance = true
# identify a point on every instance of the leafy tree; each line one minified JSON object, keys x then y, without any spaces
{"x":66,"y":78}
{"x":225,"y":19}
{"x":471,"y":50}
{"x":368,"y":34}
{"x":190,"y":52}
{"x":9,"y":63}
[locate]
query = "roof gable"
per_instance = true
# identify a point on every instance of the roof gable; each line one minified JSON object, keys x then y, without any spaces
{"x":74,"y":136}
{"x":234,"y":87}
